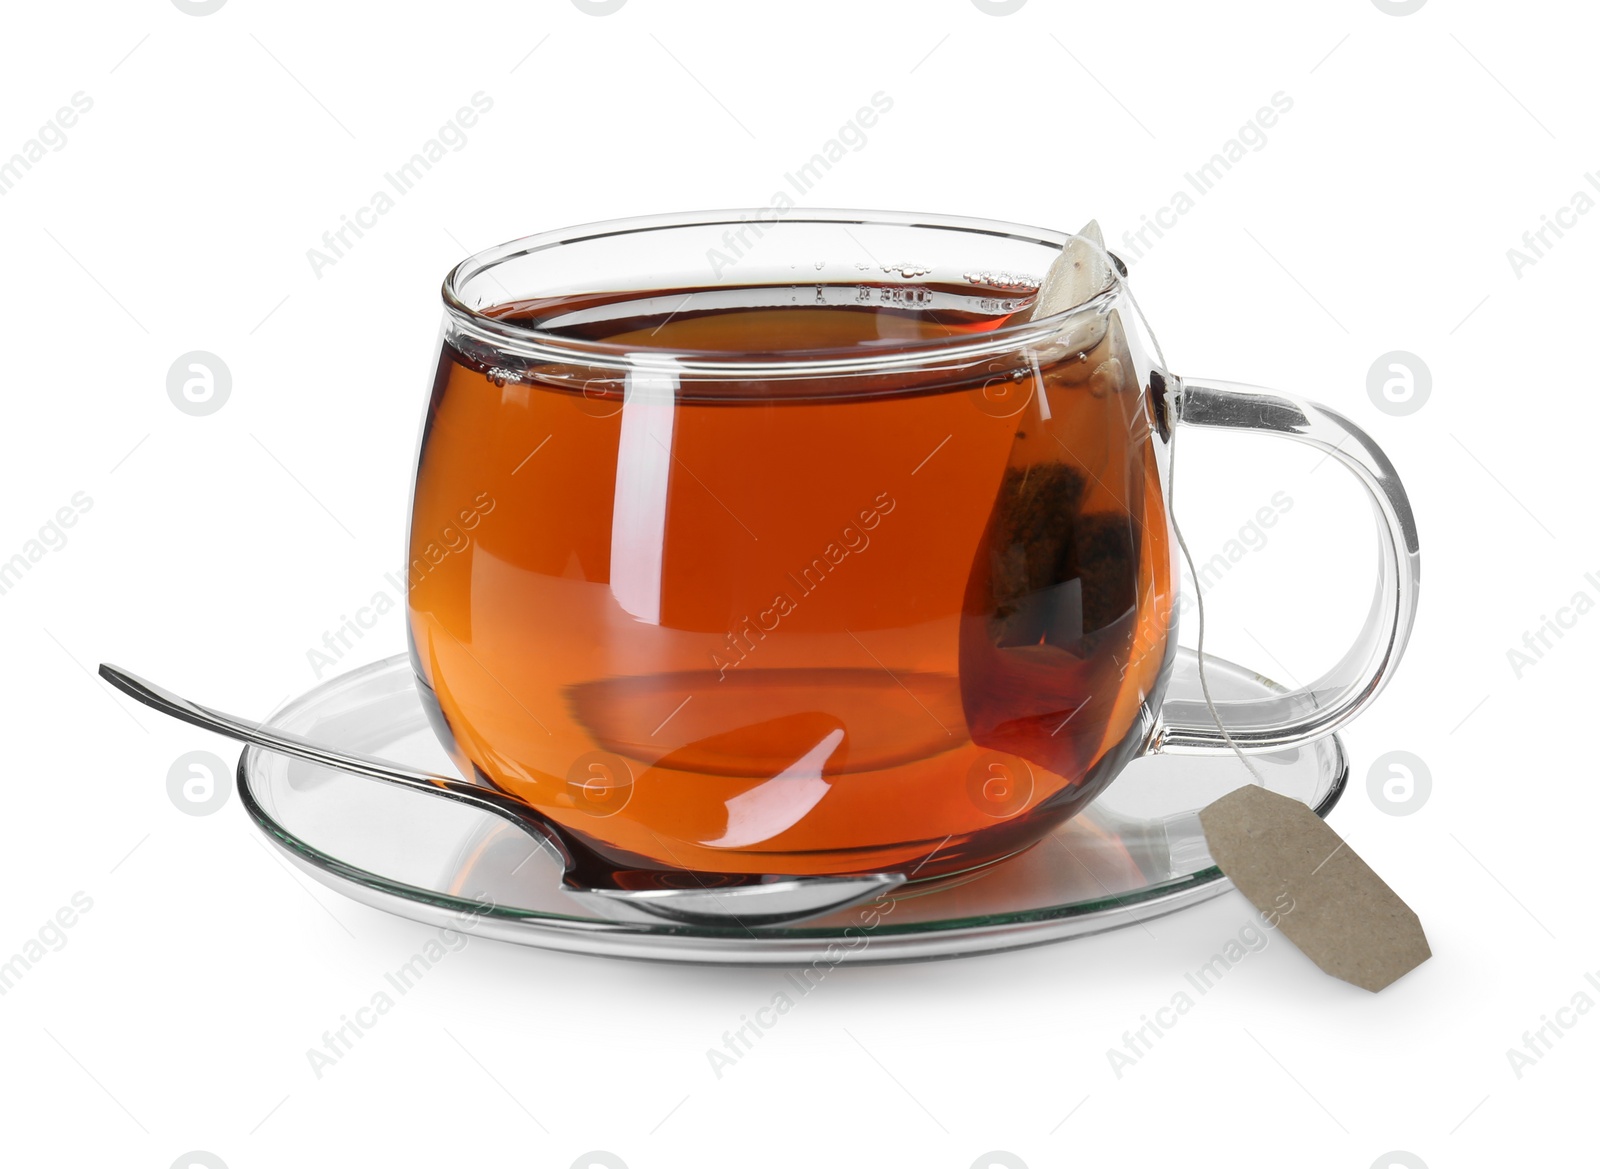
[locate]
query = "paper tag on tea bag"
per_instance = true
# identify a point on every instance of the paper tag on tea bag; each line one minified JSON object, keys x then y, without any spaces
{"x":1345,"y":918}
{"x":1079,"y":272}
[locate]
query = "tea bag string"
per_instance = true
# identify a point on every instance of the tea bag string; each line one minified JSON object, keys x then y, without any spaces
{"x":1177,"y":530}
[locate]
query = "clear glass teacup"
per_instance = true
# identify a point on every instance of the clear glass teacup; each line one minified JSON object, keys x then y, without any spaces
{"x":747,"y":545}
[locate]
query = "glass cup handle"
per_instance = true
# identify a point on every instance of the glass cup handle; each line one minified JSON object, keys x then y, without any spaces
{"x":1269,"y":724}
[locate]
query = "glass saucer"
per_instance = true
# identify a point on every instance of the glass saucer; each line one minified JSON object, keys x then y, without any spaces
{"x":1137,"y":852}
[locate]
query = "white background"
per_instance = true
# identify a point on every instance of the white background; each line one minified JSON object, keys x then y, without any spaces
{"x":219,"y":549}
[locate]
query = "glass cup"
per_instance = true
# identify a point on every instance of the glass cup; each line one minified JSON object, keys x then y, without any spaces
{"x":744,"y":544}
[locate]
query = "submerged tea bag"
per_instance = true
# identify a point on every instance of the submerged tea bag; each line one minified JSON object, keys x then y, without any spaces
{"x":1055,"y":616}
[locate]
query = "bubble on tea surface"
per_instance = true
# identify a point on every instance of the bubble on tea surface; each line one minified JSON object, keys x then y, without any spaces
{"x":199,"y":383}
{"x":1008,"y":280}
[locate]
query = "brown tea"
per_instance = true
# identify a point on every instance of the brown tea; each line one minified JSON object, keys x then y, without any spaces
{"x":750,"y":623}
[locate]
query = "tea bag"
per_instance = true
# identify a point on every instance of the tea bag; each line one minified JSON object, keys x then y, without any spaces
{"x":1080,"y":271}
{"x":1035,"y":599}
{"x":1051,"y":604}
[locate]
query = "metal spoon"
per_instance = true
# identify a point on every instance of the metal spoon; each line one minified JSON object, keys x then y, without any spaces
{"x":767,"y":901}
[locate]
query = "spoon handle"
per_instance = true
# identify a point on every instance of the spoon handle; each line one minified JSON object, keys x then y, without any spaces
{"x":284,"y":743}
{"x":767,"y":901}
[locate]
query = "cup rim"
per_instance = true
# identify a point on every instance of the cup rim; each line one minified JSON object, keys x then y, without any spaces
{"x":542,"y":345}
